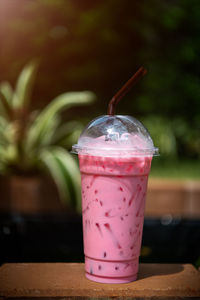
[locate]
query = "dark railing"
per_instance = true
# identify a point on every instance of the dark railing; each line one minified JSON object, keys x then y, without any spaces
{"x":59,"y":238}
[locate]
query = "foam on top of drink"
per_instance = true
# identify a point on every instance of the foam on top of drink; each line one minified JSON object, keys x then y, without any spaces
{"x":115,"y":136}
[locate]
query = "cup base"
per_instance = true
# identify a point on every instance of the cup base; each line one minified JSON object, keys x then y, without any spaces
{"x":107,"y":271}
{"x":110,"y":279}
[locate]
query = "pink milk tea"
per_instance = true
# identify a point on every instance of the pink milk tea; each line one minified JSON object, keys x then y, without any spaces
{"x":115,"y":154}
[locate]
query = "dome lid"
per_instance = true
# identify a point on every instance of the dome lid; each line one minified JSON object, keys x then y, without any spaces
{"x":116,"y":135}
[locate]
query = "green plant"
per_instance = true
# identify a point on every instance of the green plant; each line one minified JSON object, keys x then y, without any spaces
{"x":163,"y":135}
{"x":32,"y":141}
{"x":174,"y":136}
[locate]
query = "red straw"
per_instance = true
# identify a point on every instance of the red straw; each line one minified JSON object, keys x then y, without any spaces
{"x":123,"y":91}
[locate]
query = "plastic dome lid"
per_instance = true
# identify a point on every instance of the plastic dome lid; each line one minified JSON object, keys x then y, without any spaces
{"x":117,"y":135}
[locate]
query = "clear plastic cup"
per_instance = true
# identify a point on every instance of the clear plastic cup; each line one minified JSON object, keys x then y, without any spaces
{"x":115,"y":154}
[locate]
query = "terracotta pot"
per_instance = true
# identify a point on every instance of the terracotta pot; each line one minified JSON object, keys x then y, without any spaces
{"x":29,"y":195}
{"x":38,"y":195}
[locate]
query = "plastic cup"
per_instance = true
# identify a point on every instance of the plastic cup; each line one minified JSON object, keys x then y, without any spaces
{"x":115,"y":154}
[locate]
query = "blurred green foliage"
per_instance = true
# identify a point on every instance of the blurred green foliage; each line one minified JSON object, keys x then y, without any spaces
{"x":98,"y":45}
{"x":35,"y":142}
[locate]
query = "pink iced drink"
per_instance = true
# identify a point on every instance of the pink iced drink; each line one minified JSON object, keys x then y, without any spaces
{"x":113,"y":202}
{"x":115,"y":154}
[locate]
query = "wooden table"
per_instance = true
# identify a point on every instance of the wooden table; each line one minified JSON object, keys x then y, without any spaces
{"x":67,"y":281}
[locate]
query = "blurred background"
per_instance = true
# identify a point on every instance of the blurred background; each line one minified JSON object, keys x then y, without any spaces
{"x":97,"y":46}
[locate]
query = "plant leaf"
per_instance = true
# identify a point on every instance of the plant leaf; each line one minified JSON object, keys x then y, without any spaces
{"x":7,"y":91}
{"x":71,"y":174}
{"x":46,"y":136}
{"x":4,"y":140}
{"x":50,"y":162}
{"x":24,"y":85}
{"x":64,"y":101}
{"x":5,"y":100}
{"x":65,"y":130}
{"x":50,"y":130}
{"x":70,"y":139}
